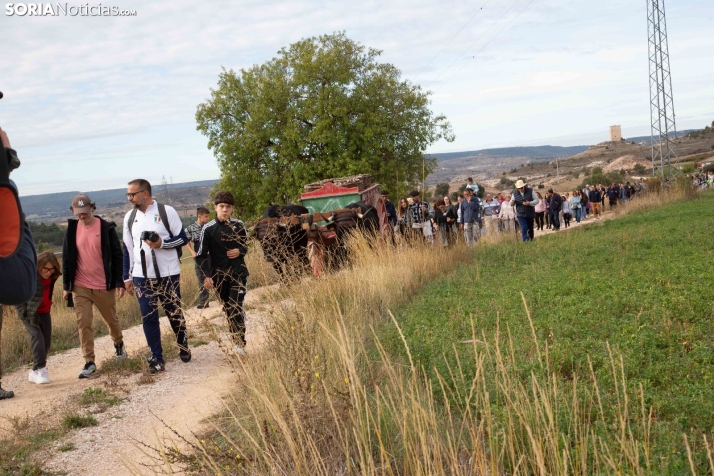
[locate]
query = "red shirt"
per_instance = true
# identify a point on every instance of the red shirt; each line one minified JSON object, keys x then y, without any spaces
{"x":46,"y":303}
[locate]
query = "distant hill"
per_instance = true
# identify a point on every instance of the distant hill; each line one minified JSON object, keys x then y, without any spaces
{"x":647,"y":140}
{"x":542,"y":151}
{"x":56,"y":205}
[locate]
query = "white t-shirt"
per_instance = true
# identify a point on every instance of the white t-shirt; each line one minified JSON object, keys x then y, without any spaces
{"x":166,"y":257}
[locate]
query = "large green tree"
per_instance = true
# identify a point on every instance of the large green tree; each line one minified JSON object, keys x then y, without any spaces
{"x":324,"y":107}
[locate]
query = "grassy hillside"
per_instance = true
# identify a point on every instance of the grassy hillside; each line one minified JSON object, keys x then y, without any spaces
{"x":618,"y":343}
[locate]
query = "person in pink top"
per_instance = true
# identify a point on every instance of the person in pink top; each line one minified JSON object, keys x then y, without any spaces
{"x":540,"y":212}
{"x":92,"y":265}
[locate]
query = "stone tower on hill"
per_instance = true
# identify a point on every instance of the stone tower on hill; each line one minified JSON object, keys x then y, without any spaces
{"x":615,"y":134}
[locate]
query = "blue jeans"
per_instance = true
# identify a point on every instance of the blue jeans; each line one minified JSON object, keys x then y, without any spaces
{"x":526,"y":224}
{"x":576,"y":213}
{"x":168,"y":290}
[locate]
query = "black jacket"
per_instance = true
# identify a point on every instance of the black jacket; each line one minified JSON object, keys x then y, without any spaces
{"x":217,"y":238}
{"x":556,"y":202}
{"x":111,"y":255}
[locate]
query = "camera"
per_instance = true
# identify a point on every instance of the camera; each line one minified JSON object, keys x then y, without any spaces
{"x":12,"y":161}
{"x":151,"y":236}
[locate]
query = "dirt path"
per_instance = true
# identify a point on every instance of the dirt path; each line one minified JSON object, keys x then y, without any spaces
{"x":181,"y":397}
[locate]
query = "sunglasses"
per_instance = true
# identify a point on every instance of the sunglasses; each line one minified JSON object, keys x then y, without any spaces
{"x":131,"y":195}
{"x":48,"y":270}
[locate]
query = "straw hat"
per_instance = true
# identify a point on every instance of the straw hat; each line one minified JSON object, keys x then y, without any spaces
{"x":520,"y":183}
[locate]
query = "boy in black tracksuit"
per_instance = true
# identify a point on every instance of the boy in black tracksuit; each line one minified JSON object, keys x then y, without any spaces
{"x":226,"y":241}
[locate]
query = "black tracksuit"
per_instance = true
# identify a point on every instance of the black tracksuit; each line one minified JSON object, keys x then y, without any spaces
{"x":230,"y":275}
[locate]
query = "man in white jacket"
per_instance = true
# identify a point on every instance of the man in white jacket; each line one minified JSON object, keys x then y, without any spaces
{"x":153,"y":237}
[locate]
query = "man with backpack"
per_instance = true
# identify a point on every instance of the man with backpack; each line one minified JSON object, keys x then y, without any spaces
{"x":153,"y":237}
{"x":18,"y":260}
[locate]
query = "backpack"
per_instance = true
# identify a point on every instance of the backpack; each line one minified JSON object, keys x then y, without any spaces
{"x":11,"y":237}
{"x":164,"y":220}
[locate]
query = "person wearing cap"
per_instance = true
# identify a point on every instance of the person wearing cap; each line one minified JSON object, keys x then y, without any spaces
{"x":418,"y":214}
{"x":225,"y":241}
{"x":525,"y":200}
{"x":92,"y":264}
{"x":470,"y":216}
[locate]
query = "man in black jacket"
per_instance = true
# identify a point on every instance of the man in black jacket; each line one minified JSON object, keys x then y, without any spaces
{"x":225,"y":241}
{"x":556,"y":202}
{"x":92,"y":265}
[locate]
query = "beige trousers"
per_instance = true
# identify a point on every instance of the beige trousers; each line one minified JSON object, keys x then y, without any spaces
{"x":105,"y":301}
{"x":597,"y":209}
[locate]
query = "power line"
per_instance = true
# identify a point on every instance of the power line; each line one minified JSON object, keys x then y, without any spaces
{"x":484,"y":46}
{"x":475,"y":41}
{"x":452,"y":39}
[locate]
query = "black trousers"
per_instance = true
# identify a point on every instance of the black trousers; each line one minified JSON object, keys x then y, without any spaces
{"x":40,"y":339}
{"x":555,"y":219}
{"x":231,"y":291}
{"x":539,"y":220}
{"x":200,"y":276}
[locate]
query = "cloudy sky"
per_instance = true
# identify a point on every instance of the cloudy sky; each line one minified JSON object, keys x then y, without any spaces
{"x":92,"y":102}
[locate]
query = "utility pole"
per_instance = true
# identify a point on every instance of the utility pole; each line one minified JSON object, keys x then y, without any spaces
{"x":665,"y":161}
{"x":165,"y":189}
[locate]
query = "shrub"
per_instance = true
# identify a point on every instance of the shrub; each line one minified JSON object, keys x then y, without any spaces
{"x":74,"y":420}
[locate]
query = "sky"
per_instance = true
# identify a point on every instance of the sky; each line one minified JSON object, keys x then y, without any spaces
{"x":92,"y":102}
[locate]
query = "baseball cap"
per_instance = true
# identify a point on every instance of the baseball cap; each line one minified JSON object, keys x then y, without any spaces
{"x":81,"y":204}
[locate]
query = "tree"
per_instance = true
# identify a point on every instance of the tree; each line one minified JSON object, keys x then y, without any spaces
{"x":323,"y":107}
{"x":441,"y":190}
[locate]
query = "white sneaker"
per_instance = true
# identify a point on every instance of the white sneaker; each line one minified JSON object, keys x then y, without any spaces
{"x":42,"y":376}
{"x":33,"y":376}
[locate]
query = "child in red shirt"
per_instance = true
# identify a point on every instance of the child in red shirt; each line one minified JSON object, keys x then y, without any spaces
{"x":35,"y":315}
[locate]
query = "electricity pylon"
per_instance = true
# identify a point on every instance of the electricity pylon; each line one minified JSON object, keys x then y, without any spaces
{"x":665,"y":162}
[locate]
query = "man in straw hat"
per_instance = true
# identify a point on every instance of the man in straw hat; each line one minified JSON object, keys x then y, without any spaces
{"x":525,"y":200}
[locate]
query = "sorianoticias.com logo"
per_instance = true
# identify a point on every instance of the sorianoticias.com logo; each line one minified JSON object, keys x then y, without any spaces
{"x":65,"y":9}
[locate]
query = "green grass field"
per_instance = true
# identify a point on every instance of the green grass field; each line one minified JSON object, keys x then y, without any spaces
{"x":627,"y":305}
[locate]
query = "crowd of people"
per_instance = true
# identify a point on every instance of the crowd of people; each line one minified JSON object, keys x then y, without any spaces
{"x":96,"y":271}
{"x":522,"y":211}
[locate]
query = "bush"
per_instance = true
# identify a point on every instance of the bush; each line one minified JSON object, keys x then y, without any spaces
{"x":639,"y":169}
{"x":540,"y":185}
{"x":688,"y":168}
{"x":576,"y":175}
